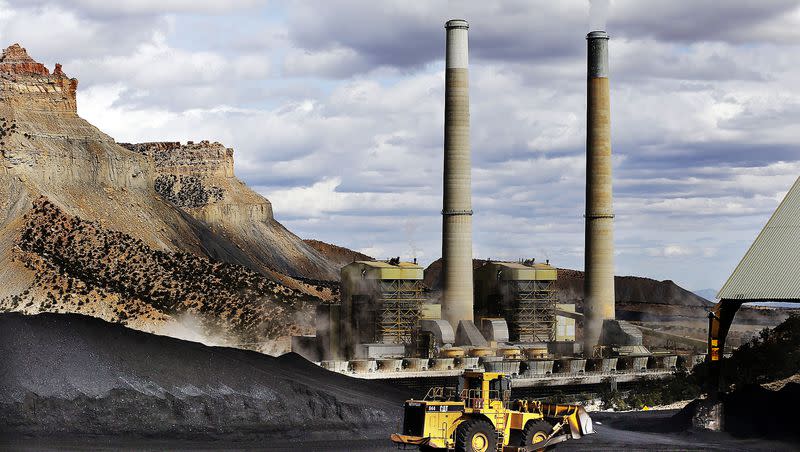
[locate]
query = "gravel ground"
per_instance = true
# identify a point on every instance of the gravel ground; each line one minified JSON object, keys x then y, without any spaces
{"x":629,"y":431}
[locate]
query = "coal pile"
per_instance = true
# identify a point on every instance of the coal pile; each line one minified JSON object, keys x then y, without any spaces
{"x":754,"y":412}
{"x":67,"y":374}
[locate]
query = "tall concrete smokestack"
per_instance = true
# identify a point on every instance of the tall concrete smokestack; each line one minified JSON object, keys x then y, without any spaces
{"x":599,"y":253}
{"x":457,"y":209}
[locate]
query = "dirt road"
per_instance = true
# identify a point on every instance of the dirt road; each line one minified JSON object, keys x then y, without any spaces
{"x":631,"y":431}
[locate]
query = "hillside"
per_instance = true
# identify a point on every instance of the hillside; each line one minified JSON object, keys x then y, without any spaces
{"x":78,"y":266}
{"x":180,"y":222}
{"x":126,"y":383}
{"x":763,"y":372}
{"x":339,"y":255}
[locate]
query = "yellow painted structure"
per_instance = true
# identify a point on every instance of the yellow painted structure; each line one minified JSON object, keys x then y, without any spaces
{"x":374,"y":270}
{"x":431,"y":311}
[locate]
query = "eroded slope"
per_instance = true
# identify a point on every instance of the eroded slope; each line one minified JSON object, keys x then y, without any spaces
{"x":79,"y":266}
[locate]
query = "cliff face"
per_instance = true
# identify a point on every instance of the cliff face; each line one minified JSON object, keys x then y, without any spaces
{"x":180,"y":200}
{"x":185,"y":174}
{"x":198,"y":178}
{"x":23,"y":75}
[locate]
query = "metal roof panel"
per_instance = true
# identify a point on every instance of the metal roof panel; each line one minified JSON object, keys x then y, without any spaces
{"x":770,"y":270}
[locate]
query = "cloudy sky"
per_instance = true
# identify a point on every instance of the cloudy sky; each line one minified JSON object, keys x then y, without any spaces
{"x":335,"y":111}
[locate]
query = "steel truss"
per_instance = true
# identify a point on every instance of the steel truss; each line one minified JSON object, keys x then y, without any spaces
{"x":534,"y":314}
{"x":400,"y":303}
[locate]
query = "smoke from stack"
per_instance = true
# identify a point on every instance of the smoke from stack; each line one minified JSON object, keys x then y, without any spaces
{"x":598,"y":14}
{"x":599,"y":253}
{"x":457,"y":209}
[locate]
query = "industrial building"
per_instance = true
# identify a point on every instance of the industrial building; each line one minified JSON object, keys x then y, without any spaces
{"x":378,"y":314}
{"x":524,"y":295}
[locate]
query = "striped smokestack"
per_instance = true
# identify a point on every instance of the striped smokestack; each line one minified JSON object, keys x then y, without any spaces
{"x":457,"y":209}
{"x":599,"y":253}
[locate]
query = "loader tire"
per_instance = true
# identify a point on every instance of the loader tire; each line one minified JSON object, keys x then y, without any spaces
{"x":535,"y":432}
{"x":476,"y":435}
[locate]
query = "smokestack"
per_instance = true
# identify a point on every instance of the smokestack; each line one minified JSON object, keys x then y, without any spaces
{"x":599,"y":253}
{"x":457,"y":209}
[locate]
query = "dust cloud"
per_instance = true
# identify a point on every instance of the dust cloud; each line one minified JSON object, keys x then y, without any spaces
{"x":189,"y":327}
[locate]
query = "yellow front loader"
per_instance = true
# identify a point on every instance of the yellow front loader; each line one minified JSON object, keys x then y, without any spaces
{"x":479,"y":416}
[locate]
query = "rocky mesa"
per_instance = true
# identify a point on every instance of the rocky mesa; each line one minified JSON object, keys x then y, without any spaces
{"x":142,"y":234}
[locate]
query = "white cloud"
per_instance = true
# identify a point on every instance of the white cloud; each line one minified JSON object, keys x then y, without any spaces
{"x":323,"y":198}
{"x":156,"y":64}
{"x":150,"y":7}
{"x":672,"y":251}
{"x":336,"y":62}
{"x":51,"y":27}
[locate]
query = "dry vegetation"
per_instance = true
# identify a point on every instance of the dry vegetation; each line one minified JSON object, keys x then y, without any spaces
{"x":80,"y":266}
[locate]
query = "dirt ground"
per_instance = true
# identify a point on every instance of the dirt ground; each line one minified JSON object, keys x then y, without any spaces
{"x":629,"y":431}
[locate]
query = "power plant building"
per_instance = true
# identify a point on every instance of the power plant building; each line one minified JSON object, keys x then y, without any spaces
{"x":524,"y":295}
{"x":494,"y":315}
{"x":381,"y":304}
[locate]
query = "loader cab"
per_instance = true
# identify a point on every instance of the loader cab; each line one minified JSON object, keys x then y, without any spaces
{"x":479,"y":389}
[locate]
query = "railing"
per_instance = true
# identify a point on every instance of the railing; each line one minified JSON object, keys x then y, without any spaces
{"x":442,"y":393}
{"x":472,"y":398}
{"x":594,"y":373}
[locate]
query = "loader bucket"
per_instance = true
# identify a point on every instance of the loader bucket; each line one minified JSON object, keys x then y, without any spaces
{"x":576,"y":417}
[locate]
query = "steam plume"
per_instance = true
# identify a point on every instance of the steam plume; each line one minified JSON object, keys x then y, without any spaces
{"x":598,"y":14}
{"x":411,"y":229}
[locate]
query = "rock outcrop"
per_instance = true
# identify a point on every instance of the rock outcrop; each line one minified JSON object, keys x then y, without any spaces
{"x":179,"y":200}
{"x":32,"y":80}
{"x":184,"y":173}
{"x":198,"y":178}
{"x":15,"y":60}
